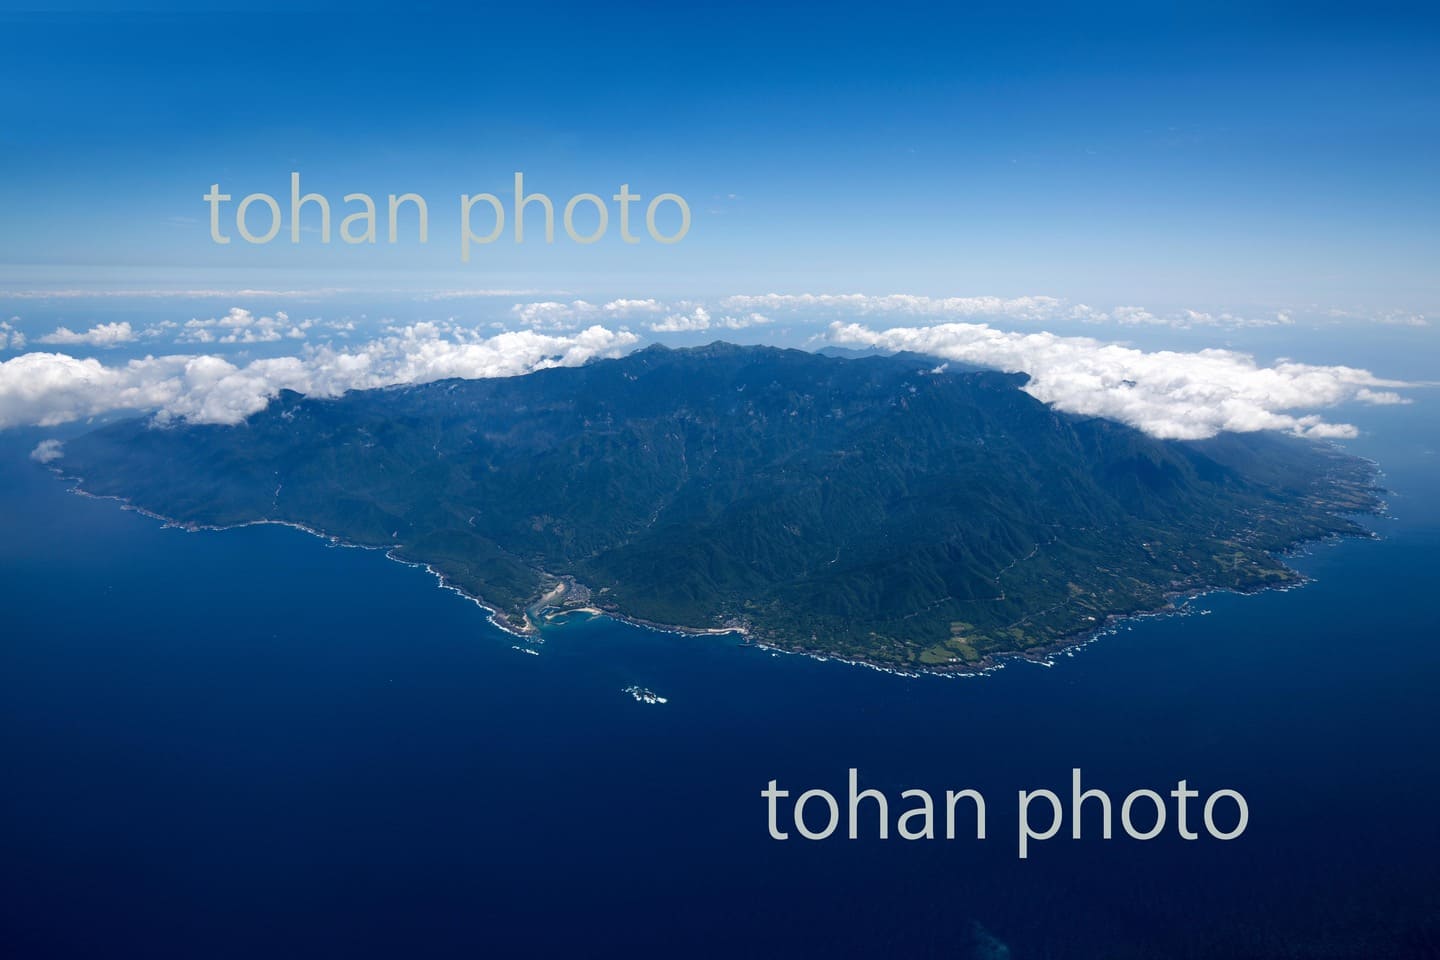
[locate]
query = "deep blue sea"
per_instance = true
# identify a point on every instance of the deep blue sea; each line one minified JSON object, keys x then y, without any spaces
{"x":249,"y":744}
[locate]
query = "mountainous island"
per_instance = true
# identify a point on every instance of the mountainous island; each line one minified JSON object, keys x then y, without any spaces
{"x":880,"y":509}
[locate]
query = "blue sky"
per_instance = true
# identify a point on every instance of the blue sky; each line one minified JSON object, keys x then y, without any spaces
{"x":1264,"y":158}
{"x":1194,"y":220}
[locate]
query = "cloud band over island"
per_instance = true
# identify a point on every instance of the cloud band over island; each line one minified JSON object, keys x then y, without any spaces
{"x":1168,"y":394}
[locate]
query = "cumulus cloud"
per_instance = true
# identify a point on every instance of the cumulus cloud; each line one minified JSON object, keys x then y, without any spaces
{"x":695,"y":320}
{"x":100,"y":335}
{"x":242,"y":326}
{"x":658,"y":316}
{"x":11,"y":338}
{"x":699,"y":319}
{"x":1166,"y":393}
{"x":558,"y":315}
{"x":47,"y":451}
{"x":1169,"y":394}
{"x":632,"y":307}
{"x":52,"y":388}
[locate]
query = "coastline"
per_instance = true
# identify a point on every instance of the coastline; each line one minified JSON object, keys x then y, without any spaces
{"x":529,"y":632}
{"x":1044,"y":655}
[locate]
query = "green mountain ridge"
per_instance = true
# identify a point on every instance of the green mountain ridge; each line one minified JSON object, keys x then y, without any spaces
{"x":875,"y":508}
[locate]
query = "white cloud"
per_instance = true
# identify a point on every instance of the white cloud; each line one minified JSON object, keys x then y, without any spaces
{"x":1127,"y":316}
{"x":10,"y":337}
{"x":557,"y":315}
{"x":241,"y":326}
{"x":630,"y":307}
{"x":699,"y":319}
{"x":552,"y":314}
{"x":1166,"y":393}
{"x":47,"y":451}
{"x":1380,"y":398}
{"x":100,"y":335}
{"x":1017,"y":308}
{"x":1029,"y":309}
{"x":51,"y":388}
{"x":680,"y":316}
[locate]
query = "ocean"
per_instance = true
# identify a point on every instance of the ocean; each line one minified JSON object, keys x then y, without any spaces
{"x":251,"y":743}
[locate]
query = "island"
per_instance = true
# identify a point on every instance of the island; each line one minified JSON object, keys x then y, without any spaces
{"x":887,"y":510}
